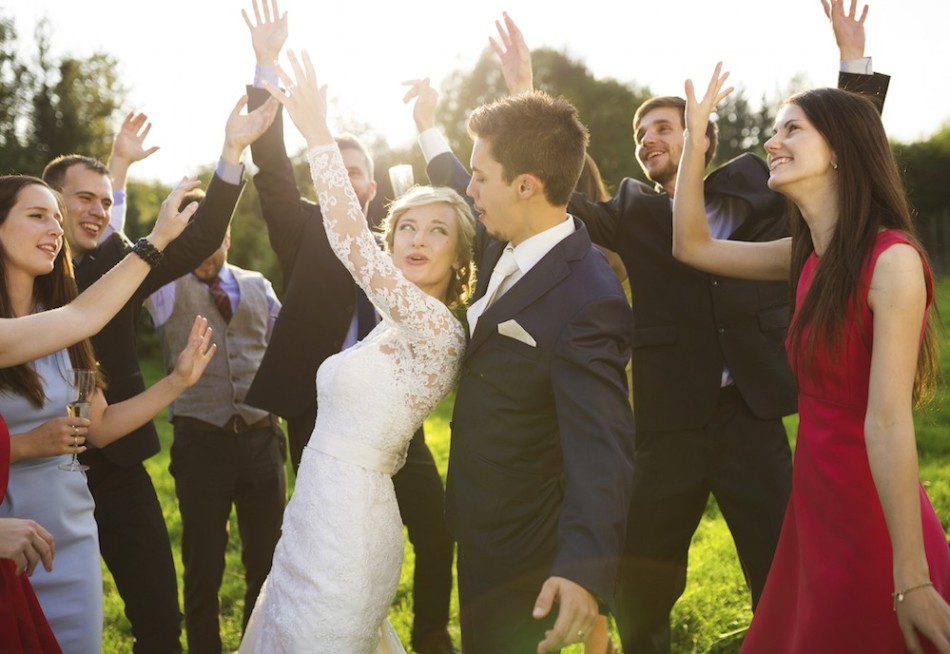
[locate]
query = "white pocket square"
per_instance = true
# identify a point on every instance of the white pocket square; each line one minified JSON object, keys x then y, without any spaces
{"x":512,"y":329}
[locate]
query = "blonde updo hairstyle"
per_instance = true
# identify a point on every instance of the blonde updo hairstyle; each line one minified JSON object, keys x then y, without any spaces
{"x":462,"y":282}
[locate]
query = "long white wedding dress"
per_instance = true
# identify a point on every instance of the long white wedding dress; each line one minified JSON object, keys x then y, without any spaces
{"x":337,"y":564}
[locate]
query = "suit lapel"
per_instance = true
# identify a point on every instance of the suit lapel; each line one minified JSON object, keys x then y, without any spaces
{"x":545,"y":275}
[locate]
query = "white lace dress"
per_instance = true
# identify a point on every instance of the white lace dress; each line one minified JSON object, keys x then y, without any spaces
{"x":337,"y":564}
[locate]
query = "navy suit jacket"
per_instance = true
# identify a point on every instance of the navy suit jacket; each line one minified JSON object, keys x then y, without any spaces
{"x":542,"y":437}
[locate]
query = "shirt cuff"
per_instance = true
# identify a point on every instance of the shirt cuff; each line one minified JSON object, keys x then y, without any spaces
{"x":860,"y":66}
{"x":264,"y":72}
{"x":118,"y":196}
{"x":230,"y":172}
{"x":433,"y":144}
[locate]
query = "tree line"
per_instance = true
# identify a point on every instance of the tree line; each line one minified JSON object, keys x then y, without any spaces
{"x":52,"y":105}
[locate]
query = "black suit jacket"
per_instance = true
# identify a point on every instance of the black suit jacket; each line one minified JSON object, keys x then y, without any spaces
{"x":688,"y":325}
{"x":319,"y":295}
{"x":115,"y":344}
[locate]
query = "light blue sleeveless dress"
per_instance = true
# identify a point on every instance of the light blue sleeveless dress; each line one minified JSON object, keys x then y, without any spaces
{"x":70,"y":595}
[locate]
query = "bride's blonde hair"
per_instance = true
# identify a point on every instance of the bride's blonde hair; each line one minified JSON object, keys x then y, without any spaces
{"x":463,"y":281}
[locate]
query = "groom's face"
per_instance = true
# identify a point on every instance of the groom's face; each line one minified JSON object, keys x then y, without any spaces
{"x":494,"y":197}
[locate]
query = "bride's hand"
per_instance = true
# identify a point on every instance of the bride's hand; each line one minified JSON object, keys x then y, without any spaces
{"x":304,"y":100}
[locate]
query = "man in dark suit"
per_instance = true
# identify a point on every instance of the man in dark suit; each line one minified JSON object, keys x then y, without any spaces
{"x":323,"y":313}
{"x":710,"y":374}
{"x":542,"y":433}
{"x":133,"y":537}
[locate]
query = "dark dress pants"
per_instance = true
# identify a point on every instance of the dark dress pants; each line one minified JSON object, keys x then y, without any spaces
{"x":421,"y":499}
{"x":496,"y":618}
{"x":745,"y":462}
{"x":213,"y":469}
{"x":133,"y":540}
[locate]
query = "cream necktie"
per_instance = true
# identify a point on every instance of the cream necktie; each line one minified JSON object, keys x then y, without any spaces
{"x":505,"y":267}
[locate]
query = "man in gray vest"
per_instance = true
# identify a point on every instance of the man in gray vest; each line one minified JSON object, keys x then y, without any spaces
{"x":224,"y":452}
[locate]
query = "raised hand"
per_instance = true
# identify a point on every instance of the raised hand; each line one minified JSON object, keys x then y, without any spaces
{"x":129,"y":143}
{"x":241,"y":130}
{"x":514,"y":56}
{"x":171,"y":222}
{"x":698,"y":111}
{"x":848,"y":27}
{"x":195,"y":357}
{"x":26,"y":544}
{"x":268,"y":34}
{"x":426,"y":97}
{"x":305,"y":101}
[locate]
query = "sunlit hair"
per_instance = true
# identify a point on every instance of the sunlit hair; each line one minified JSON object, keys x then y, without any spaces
{"x":55,"y":172}
{"x":348,"y":141}
{"x":462,"y":282}
{"x":590,"y":183}
{"x":49,"y":291}
{"x":674,"y":102}
{"x":537,"y":134}
{"x":871,"y":197}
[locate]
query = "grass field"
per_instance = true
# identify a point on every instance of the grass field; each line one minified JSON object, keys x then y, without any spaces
{"x":713,"y":612}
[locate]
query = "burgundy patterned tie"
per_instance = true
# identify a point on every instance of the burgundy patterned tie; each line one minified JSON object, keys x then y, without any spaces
{"x":220,"y":298}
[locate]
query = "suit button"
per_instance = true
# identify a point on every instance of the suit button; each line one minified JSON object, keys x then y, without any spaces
{"x":721,"y":330}
{"x":715,"y":282}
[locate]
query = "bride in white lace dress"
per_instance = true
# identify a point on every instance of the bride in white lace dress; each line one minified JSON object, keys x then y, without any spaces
{"x":337,"y":564}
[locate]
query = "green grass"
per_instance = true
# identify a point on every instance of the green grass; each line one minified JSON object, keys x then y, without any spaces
{"x":711,"y":616}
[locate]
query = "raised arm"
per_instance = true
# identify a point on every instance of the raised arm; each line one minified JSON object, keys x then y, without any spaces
{"x":127,"y":148}
{"x":514,"y":55}
{"x":109,"y":422}
{"x":343,"y":218}
{"x":34,"y":336}
{"x":692,"y":242}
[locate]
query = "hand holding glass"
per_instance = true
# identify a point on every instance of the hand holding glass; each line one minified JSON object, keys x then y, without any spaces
{"x":84,"y":387}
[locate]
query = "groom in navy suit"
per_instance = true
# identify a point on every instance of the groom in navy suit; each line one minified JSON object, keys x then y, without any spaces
{"x":542,"y":433}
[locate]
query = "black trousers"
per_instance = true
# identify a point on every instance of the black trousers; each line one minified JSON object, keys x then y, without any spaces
{"x":213,"y":469}
{"x":421,"y":498}
{"x":746,"y":464}
{"x":133,"y":540}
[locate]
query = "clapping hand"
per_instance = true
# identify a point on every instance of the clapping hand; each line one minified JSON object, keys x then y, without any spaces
{"x":304,"y":101}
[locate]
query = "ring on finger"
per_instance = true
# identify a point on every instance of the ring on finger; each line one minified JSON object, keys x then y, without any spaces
{"x":580,"y":634}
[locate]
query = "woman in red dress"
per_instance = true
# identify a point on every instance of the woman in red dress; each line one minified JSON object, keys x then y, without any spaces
{"x":862,"y":563}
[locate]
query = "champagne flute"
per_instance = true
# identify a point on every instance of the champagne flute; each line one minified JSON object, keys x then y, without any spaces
{"x":83,"y":387}
{"x":400,"y":176}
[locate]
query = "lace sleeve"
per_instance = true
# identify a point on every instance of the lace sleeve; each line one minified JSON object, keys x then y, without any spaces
{"x":354,"y":244}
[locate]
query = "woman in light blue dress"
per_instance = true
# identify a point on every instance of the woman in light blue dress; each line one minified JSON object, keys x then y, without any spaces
{"x":37,"y":275}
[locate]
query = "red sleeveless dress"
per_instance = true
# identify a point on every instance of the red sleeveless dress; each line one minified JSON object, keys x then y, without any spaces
{"x":23,"y":627}
{"x":829,"y":588}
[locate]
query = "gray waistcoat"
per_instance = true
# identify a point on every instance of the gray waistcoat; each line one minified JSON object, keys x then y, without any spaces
{"x":219,"y":393}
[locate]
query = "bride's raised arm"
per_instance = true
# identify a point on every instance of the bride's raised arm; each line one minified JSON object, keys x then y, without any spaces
{"x":347,"y":230}
{"x":692,"y":242}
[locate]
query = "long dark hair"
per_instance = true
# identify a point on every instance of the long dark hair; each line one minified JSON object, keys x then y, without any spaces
{"x":49,"y":291}
{"x":871,"y":197}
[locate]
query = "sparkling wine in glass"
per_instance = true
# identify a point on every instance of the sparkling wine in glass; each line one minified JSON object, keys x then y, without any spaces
{"x":84,"y":386}
{"x":400,"y":176}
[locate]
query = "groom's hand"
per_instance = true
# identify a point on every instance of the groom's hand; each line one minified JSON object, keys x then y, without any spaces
{"x":575,"y":617}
